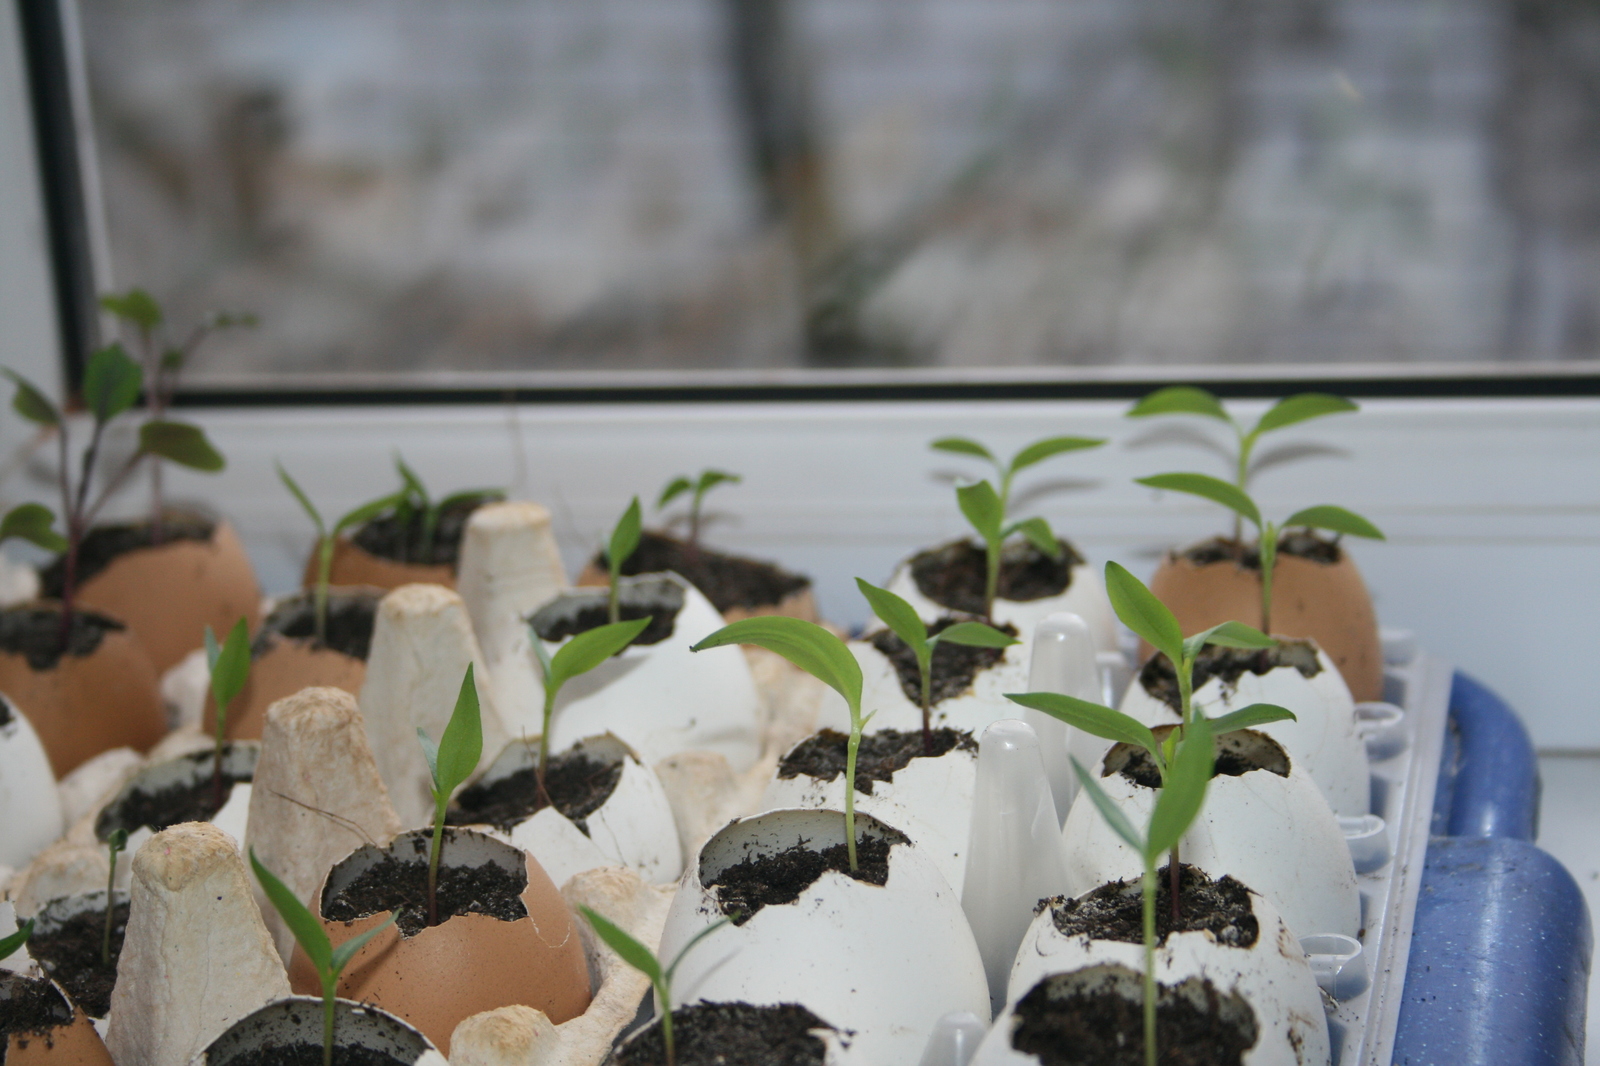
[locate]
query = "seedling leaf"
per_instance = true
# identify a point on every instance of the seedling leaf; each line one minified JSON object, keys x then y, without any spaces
{"x":1093,"y":718}
{"x":1041,"y":450}
{"x":230,"y":663}
{"x":408,"y":478}
{"x":1301,"y":408}
{"x":181,"y":443}
{"x":1228,"y":635}
{"x":897,"y":614}
{"x":10,"y":944}
{"x":305,"y":501}
{"x":136,"y":306}
{"x":1250,"y":717}
{"x":367,"y":512}
{"x":1180,"y":400}
{"x":806,"y":644}
{"x":1336,"y":519}
{"x":32,"y":522}
{"x":625,"y":538}
{"x":1040,"y":535}
{"x":977,"y":635}
{"x":675,"y":488}
{"x":710,"y":479}
{"x":1141,"y":612}
{"x":1108,"y":810}
{"x":345,"y":952}
{"x":307,"y":930}
{"x":462,"y":743}
{"x":30,"y":403}
{"x":627,"y":948}
{"x":981,"y":506}
{"x":1183,"y":791}
{"x":963,"y":446}
{"x":111,"y":382}
{"x":1214,"y":489}
{"x":590,"y":648}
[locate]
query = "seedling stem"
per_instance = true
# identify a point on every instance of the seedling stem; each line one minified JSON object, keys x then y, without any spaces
{"x":578,"y":656}
{"x":450,"y":762}
{"x":117,"y":841}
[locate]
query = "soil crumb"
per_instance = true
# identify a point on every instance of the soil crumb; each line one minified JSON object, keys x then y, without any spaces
{"x":1229,"y":664}
{"x":104,"y":544}
{"x":1300,"y":543}
{"x":70,"y":954}
{"x":1238,"y":753}
{"x":733,"y":1034}
{"x":728,"y":581}
{"x":401,"y":538}
{"x":401,"y":886}
{"x":352,"y":613}
{"x":952,"y":668}
{"x":778,"y":879}
{"x":577,"y":783}
{"x":953,"y":575}
{"x":34,"y":632}
{"x":29,"y":1009}
{"x":1114,"y":911}
{"x":823,"y":754}
{"x":1095,"y":1017}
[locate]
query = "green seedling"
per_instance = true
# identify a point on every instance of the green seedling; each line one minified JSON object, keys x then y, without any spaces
{"x":34,"y":523}
{"x":901,"y":617}
{"x":230,"y":669}
{"x":10,"y":944}
{"x":450,"y":762}
{"x":116,"y":842}
{"x":989,"y":509}
{"x":1336,"y":520}
{"x":644,"y":960}
{"x":624,"y":540}
{"x":708,"y":480}
{"x":1183,"y":792}
{"x":826,"y":658}
{"x":327,"y":960}
{"x":328,"y":538}
{"x":1289,"y":411}
{"x":111,"y":385}
{"x":576,"y":657}
{"x":163,"y":364}
{"x":413,"y":500}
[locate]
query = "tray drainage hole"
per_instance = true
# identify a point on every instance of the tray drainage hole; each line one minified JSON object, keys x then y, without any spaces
{"x":1368,"y":839}
{"x":1338,"y":964}
{"x":1382,"y":727}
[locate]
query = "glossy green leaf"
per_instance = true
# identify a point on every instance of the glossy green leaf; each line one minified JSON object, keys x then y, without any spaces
{"x":345,"y":952}
{"x":980,"y":504}
{"x":9,"y":945}
{"x":963,"y":446}
{"x":411,"y":482}
{"x":117,"y":841}
{"x":30,"y":403}
{"x":1207,"y":487}
{"x":366,"y":512}
{"x":135,"y":305}
{"x":1040,"y":535}
{"x":1183,"y":792}
{"x":806,"y":644}
{"x":675,"y":488}
{"x":1180,"y":400}
{"x":111,"y":383}
{"x":305,"y":501}
{"x":1228,"y":635}
{"x":590,"y":648}
{"x":462,"y":743}
{"x":307,"y":930}
{"x":1112,"y":814}
{"x":1041,"y":450}
{"x":1093,"y":718}
{"x":230,"y":663}
{"x":896,"y":613}
{"x":1301,"y":408}
{"x":976,"y":635}
{"x":625,"y":538}
{"x":1335,"y":519}
{"x":1141,"y":612}
{"x":710,"y":479}
{"x":627,"y":948}
{"x":34,"y":523}
{"x":1250,"y":717}
{"x":181,"y":443}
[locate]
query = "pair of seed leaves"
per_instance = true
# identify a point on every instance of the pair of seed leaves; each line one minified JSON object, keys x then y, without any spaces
{"x":985,"y":507}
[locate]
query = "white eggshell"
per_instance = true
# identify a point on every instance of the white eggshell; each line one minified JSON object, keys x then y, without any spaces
{"x":930,"y":801}
{"x":885,"y":961}
{"x":30,"y":806}
{"x":1275,"y":834}
{"x":233,"y":818}
{"x":983,"y":703}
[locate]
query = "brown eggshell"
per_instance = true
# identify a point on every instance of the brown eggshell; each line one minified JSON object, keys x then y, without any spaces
{"x":286,"y":667}
{"x":464,"y":965}
{"x":354,"y":565}
{"x":75,"y":1044}
{"x":1326,"y":602}
{"x":88,"y":704}
{"x":168,"y":594}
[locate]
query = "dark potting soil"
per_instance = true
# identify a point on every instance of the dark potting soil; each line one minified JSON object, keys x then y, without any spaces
{"x":1065,"y":1024}
{"x":311,"y":1055}
{"x":1238,"y":753}
{"x":1114,"y":911}
{"x":952,"y":668}
{"x":186,"y":801}
{"x":351,"y":616}
{"x":823,"y":754}
{"x":728,"y":581}
{"x":592,"y":615}
{"x":29,"y":1008}
{"x":1300,"y":543}
{"x":103,"y":544}
{"x":402,"y":886}
{"x":399,"y":539}
{"x":577,"y":785}
{"x":953,"y":575}
{"x":733,"y":1034}
{"x":35,"y":633}
{"x":5,"y":711}
{"x":1230,"y":664}
{"x":777,"y":879}
{"x":71,"y":955}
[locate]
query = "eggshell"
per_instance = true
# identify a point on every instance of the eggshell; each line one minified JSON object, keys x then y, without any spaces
{"x":465,"y":964}
{"x":881,"y":695}
{"x":287,"y":666}
{"x":1326,"y":602}
{"x":1275,"y":834}
{"x":239,"y":759}
{"x":88,"y":704}
{"x":30,"y":805}
{"x":298,"y":1020}
{"x":169,"y":593}
{"x":1271,"y":974}
{"x":74,"y":1044}
{"x":354,"y":565}
{"x":800,"y":604}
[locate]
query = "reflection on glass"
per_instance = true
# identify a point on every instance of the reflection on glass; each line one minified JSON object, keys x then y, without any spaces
{"x":401,"y":185}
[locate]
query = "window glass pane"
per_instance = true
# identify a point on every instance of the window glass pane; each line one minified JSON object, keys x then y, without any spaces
{"x":403,"y":185}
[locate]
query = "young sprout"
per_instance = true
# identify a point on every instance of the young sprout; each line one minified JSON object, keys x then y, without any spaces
{"x":576,"y":657}
{"x":624,"y":539}
{"x":327,"y":960}
{"x":34,"y":523}
{"x":230,"y":668}
{"x":826,"y":658}
{"x":1183,"y":792}
{"x":708,"y":480}
{"x":644,"y":960}
{"x":1325,"y":516}
{"x":111,"y":385}
{"x":117,"y":841}
{"x":10,"y":944}
{"x":1292,"y":410}
{"x":327,"y":539}
{"x":450,"y":762}
{"x":1036,"y":452}
{"x":413,"y":499}
{"x":901,"y":617}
